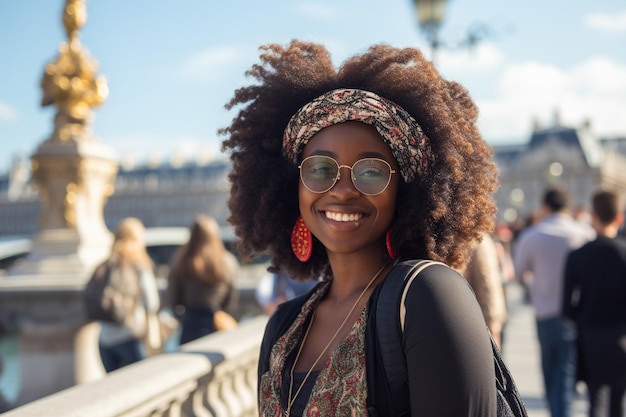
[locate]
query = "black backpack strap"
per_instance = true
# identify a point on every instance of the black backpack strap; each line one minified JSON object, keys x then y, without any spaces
{"x":391,"y":363}
{"x":376,"y":391}
{"x":389,"y":338}
{"x":510,"y":402}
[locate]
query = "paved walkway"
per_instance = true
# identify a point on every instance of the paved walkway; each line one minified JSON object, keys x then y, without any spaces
{"x":521,"y":354}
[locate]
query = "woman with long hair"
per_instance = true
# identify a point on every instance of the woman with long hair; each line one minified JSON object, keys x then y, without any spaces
{"x":202,"y":279}
{"x":130,"y":265}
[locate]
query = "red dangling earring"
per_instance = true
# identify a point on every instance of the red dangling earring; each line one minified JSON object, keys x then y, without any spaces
{"x":390,"y":251}
{"x":301,"y":241}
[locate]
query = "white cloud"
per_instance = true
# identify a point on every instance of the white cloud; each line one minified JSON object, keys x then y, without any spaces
{"x":484,"y":56}
{"x":7,"y":112}
{"x":210,"y":65}
{"x":599,"y":75}
{"x":317,"y":11}
{"x":612,"y":23}
{"x":594,"y":90}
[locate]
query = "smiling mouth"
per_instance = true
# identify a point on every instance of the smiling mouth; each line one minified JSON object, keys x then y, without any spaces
{"x":343,"y":217}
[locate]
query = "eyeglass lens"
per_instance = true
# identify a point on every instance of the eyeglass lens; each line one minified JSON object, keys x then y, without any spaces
{"x":370,"y":176}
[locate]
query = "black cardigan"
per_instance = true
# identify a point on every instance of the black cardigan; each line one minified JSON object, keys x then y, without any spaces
{"x":449,"y":358}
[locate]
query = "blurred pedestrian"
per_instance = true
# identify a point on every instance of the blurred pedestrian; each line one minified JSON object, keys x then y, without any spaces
{"x":4,"y":403}
{"x":520,"y":225}
{"x":122,"y":344}
{"x":485,"y":277}
{"x":202,"y":280}
{"x":276,"y":288}
{"x":541,"y":250}
{"x":503,"y":240}
{"x":595,"y":298}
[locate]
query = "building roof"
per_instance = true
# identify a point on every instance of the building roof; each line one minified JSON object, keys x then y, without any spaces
{"x":592,"y":149}
{"x":571,"y":137}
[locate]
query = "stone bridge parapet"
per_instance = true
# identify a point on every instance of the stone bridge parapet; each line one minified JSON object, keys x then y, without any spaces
{"x":213,"y":376}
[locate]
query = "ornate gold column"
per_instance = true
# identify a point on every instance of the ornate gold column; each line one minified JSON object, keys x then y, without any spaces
{"x":40,"y":299}
{"x":73,"y":172}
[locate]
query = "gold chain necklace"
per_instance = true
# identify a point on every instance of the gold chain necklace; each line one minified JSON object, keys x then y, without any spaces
{"x":291,"y":400}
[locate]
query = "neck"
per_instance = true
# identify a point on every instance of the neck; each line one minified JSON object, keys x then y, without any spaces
{"x":607,"y":230}
{"x":351,"y":276}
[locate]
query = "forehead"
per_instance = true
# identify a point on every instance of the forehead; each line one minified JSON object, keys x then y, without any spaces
{"x":349,"y":140}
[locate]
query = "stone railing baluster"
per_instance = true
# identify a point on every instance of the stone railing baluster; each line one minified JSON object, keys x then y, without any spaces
{"x":214,"y":376}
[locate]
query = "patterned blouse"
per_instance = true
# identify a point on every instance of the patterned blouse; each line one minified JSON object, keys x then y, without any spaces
{"x":340,"y":388}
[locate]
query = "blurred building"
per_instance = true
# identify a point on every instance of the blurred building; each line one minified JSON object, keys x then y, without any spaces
{"x":168,"y":194}
{"x":159,"y":194}
{"x":569,"y":156}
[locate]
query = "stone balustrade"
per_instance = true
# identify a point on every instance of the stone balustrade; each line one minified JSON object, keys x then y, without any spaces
{"x":213,"y":376}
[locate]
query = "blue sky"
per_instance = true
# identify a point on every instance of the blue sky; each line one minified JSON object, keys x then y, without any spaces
{"x":171,"y":66}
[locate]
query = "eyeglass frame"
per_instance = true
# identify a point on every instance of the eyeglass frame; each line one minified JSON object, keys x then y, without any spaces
{"x":352,"y":177}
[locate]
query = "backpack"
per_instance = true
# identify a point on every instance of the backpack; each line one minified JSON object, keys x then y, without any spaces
{"x":112,"y":293}
{"x":389,"y":330}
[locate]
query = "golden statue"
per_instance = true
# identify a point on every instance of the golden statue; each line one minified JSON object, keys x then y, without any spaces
{"x":70,"y":83}
{"x":74,"y":172}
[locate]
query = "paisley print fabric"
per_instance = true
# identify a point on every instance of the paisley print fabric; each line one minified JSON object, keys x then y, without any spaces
{"x":341,"y":387}
{"x":400,"y":131}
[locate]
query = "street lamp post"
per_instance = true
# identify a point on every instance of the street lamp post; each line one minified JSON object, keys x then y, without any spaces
{"x":430,"y":15}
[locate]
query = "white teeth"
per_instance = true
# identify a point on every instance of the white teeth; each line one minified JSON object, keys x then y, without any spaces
{"x":343,"y":217}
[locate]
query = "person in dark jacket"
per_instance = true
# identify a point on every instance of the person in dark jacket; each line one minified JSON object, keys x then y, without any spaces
{"x":595,"y":298}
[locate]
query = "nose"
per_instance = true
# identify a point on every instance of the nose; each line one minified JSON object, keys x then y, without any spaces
{"x":344,"y":187}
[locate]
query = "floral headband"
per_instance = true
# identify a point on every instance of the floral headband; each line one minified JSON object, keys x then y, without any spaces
{"x":400,"y":131}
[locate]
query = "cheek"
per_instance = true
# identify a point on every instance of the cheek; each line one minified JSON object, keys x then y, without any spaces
{"x":305,"y":199}
{"x":388,"y":212}
{"x":388,"y":202}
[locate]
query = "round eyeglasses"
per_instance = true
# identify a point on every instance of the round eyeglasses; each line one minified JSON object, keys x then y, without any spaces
{"x":370,"y":176}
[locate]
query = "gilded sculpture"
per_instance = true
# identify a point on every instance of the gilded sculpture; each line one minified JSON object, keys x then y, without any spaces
{"x":70,"y":82}
{"x":72,"y":170}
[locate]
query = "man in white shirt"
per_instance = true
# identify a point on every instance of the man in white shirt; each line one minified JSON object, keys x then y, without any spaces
{"x":542,"y":250}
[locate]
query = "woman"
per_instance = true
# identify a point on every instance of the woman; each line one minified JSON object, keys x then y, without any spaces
{"x":339,"y":173}
{"x":202,"y":279}
{"x":129,"y":264}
